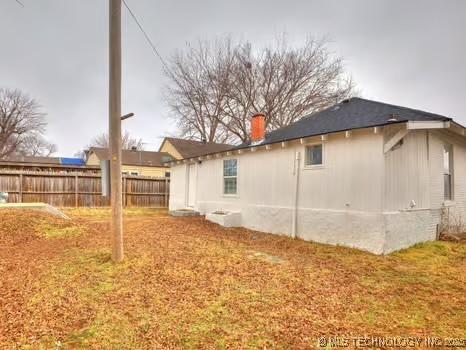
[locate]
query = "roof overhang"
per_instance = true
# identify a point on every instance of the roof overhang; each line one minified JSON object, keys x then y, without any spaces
{"x":449,"y":124}
{"x":434,"y":124}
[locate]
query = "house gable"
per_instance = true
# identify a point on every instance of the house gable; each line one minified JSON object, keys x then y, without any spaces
{"x":168,"y":147}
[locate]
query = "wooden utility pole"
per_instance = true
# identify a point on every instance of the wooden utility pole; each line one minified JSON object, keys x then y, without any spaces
{"x":115,"y":131}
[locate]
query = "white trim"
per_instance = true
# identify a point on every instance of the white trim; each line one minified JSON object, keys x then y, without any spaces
{"x":394,"y":140}
{"x":416,"y":125}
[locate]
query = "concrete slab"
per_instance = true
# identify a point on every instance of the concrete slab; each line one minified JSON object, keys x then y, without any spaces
{"x":184,"y":212}
{"x":36,"y":206}
{"x":225,"y":218}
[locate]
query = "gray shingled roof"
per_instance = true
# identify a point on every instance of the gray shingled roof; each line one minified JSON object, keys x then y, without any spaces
{"x":354,"y":113}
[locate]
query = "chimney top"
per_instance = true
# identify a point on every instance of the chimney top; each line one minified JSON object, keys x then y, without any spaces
{"x":257,"y":128}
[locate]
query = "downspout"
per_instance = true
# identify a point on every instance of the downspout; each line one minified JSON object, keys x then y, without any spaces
{"x":294,"y":220}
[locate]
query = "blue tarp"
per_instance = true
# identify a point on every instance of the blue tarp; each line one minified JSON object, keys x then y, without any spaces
{"x":72,"y":161}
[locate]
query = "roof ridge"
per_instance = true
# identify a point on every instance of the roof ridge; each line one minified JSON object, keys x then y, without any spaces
{"x":425,"y":113}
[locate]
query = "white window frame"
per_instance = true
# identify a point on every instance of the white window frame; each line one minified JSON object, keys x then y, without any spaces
{"x":313,"y":166}
{"x":230,"y":177}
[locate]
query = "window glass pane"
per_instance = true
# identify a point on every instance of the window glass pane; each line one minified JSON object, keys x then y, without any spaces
{"x":314,"y":155}
{"x":447,"y":172}
{"x":230,"y":167}
{"x":447,"y":159}
{"x":447,"y":186}
{"x":229,"y":185}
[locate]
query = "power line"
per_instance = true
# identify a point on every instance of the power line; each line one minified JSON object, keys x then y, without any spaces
{"x":19,"y":2}
{"x":152,"y":45}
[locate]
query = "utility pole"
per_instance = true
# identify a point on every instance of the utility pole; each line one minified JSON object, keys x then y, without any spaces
{"x":116,"y":199}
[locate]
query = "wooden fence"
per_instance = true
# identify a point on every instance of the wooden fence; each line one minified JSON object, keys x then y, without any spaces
{"x":81,"y":189}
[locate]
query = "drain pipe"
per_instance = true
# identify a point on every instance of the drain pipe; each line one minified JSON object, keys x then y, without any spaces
{"x":294,"y":222}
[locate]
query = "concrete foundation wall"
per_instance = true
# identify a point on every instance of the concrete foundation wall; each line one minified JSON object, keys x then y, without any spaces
{"x":378,"y":233}
{"x":406,"y":228}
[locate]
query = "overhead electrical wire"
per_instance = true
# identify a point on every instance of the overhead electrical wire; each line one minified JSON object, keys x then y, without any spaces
{"x":148,"y":39}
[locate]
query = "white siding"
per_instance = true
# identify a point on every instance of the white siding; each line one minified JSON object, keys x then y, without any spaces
{"x":406,"y":172}
{"x":351,"y":166}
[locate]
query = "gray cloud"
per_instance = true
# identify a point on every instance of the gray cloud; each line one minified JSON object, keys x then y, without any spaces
{"x":410,"y":53}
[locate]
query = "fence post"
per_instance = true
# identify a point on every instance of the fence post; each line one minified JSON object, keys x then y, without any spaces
{"x":21,"y":188}
{"x":76,"y":191}
{"x":166,"y":192}
{"x":124,"y":191}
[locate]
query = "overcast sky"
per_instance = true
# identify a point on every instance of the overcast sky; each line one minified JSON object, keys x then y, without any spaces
{"x":410,"y":53}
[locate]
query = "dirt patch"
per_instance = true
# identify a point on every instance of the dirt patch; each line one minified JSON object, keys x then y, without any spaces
{"x":266,"y":257}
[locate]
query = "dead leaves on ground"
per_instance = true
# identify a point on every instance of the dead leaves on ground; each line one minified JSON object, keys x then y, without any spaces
{"x":187,"y":283}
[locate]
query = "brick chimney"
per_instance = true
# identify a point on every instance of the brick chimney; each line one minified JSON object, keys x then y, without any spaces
{"x":257,"y":128}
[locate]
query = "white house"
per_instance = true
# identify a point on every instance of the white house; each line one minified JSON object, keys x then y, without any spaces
{"x":361,"y":174}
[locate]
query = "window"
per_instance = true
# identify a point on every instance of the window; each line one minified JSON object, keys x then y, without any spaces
{"x":448,"y":172}
{"x":167,"y":174}
{"x":135,"y":173}
{"x":314,"y":155}
{"x":230,"y":176}
{"x":124,"y":173}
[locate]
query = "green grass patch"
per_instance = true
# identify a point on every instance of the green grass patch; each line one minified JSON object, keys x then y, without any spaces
{"x":62,"y":232}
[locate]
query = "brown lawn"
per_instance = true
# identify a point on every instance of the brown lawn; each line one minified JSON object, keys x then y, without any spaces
{"x":189,"y":284}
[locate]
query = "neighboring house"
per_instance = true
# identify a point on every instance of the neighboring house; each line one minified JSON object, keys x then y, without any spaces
{"x":182,"y":148}
{"x":134,"y":162}
{"x":47,"y":164}
{"x":362,"y":174}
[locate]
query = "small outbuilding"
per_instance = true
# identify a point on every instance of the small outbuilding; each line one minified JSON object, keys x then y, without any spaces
{"x":361,"y":173}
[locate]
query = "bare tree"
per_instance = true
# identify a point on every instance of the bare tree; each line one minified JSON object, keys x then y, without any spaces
{"x":127,"y":141}
{"x":22,"y":125}
{"x":198,"y":91}
{"x":36,"y":145}
{"x":215,"y":88}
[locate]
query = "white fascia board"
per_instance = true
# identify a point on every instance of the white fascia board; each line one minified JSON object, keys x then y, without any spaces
{"x":416,"y":125}
{"x":458,"y":129}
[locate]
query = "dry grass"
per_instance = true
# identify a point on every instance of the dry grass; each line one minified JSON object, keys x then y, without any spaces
{"x":187,"y":283}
